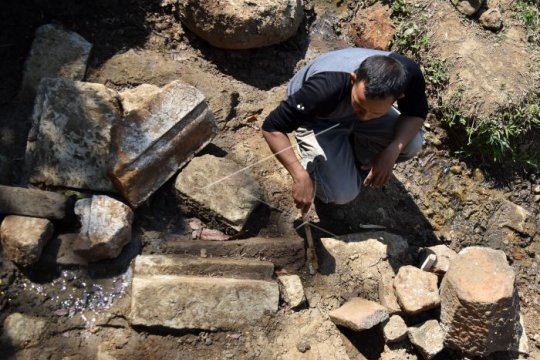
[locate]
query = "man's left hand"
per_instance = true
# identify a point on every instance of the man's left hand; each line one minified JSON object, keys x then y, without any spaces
{"x":381,"y":167}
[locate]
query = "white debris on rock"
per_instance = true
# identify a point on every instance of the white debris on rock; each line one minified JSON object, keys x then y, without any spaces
{"x":416,"y":290}
{"x":427,"y":338}
{"x":359,"y":314}
{"x":291,"y":290}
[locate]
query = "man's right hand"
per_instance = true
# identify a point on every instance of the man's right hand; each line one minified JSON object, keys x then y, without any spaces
{"x":303,"y":191}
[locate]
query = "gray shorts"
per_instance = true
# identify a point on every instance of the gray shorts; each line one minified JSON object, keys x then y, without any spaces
{"x":330,"y":155}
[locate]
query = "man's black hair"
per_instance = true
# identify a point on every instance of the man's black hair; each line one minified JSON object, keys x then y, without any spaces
{"x":383,"y":77}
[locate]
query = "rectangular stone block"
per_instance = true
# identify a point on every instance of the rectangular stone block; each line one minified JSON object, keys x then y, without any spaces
{"x":288,"y":254}
{"x":154,"y":141}
{"x":221,"y":267}
{"x":184,"y":302}
{"x":32,"y":202}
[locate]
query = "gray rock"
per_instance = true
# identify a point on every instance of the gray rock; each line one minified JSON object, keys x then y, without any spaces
{"x":242,"y":24}
{"x":23,"y":238}
{"x":106,"y":227}
{"x":223,"y":267}
{"x":491,"y":19}
{"x":55,"y":53}
{"x":221,"y":187}
{"x":394,"y":329}
{"x":479,"y":303}
{"x":444,"y":256}
{"x":359,"y":314}
{"x":508,"y":224}
{"x":5,"y":170}
{"x":69,"y":143}
{"x":22,"y":331}
{"x":189,"y":302}
{"x":292,"y":290}
{"x":32,"y":202}
{"x":137,"y":97}
{"x":153,"y":142}
{"x":60,"y":250}
{"x":427,"y":338}
{"x":416,"y":290}
{"x":467,"y":7}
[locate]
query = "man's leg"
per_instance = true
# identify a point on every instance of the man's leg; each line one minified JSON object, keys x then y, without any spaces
{"x":329,"y":159}
{"x":371,"y":137}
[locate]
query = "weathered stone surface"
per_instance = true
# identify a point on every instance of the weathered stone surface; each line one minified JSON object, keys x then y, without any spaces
{"x":491,"y":19}
{"x":292,"y":290}
{"x":444,"y":256}
{"x":69,"y":142}
{"x":137,"y":97}
{"x":387,"y":293}
{"x":223,"y":267}
{"x":416,"y":290}
{"x":60,"y":250}
{"x":151,"y":143}
{"x":372,"y":27}
{"x":508,"y":224}
{"x":23,"y":238}
{"x":284,"y":253}
{"x":479,"y":304}
{"x":394,"y":329}
{"x":32,"y":202}
{"x":55,"y":53}
{"x":185,"y":302}
{"x":241,"y":24}
{"x":467,"y":7}
{"x":397,"y":354}
{"x":106,"y":227}
{"x":5,"y":170}
{"x":22,"y":331}
{"x":427,"y":338}
{"x":359,"y":314}
{"x":221,"y":187}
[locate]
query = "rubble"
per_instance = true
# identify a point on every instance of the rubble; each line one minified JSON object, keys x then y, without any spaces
{"x":291,"y":290}
{"x":479,"y":287}
{"x":223,"y":188}
{"x":359,"y":314}
{"x":416,"y":290}
{"x":444,"y":255}
{"x":23,"y":238}
{"x":32,"y":202}
{"x":427,"y":338}
{"x":22,"y":331}
{"x":394,"y":329}
{"x":152,"y":142}
{"x":106,"y":227}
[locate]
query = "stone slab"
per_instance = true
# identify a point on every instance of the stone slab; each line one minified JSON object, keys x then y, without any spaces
{"x":220,"y":267}
{"x":284,"y":253}
{"x":359,"y":314}
{"x":151,"y":143}
{"x":32,"y":202}
{"x":184,"y":302}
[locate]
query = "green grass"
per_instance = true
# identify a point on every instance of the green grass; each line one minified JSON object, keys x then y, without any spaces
{"x":529,"y":13}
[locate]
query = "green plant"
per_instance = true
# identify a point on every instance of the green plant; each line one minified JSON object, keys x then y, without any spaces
{"x":436,"y":76}
{"x":528,"y":11}
{"x":410,"y":40}
{"x":400,"y":9}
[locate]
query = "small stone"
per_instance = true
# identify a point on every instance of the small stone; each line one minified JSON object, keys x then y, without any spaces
{"x":444,"y":256}
{"x":467,"y":7}
{"x":456,"y":169}
{"x":536,"y":198}
{"x":292,"y":290}
{"x":491,"y":19}
{"x":22,"y":331}
{"x":359,"y":314}
{"x":523,"y":345}
{"x":427,"y":338}
{"x":23,"y":238}
{"x":395,"y":329}
{"x":537,"y":189}
{"x":416,"y":290}
{"x":478,"y":175}
{"x":303,"y":346}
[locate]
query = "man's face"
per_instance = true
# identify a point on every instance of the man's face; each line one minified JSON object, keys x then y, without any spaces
{"x":367,"y":109}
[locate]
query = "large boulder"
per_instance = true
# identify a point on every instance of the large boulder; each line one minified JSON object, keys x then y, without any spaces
{"x":479,"y":303}
{"x":55,"y":53}
{"x":152,"y":142}
{"x":23,"y":238}
{"x":242,"y":24}
{"x":69,"y":143}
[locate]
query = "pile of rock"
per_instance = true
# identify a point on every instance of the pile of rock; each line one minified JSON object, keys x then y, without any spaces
{"x":490,"y":19}
{"x":479,"y":305}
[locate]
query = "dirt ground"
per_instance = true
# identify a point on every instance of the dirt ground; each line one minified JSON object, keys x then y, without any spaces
{"x":138,"y":41}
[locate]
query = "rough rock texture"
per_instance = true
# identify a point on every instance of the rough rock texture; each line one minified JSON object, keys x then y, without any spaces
{"x":508,"y":224}
{"x":372,"y":27}
{"x":178,"y":264}
{"x":105,"y":227}
{"x":154,"y":141}
{"x":427,"y":338}
{"x":55,"y":53}
{"x":23,"y":238}
{"x":467,"y":7}
{"x":22,"y":331}
{"x":359,"y":314}
{"x":397,"y":354}
{"x":479,"y":303}
{"x":187,"y":302}
{"x":60,"y":250}
{"x":387,"y":293}
{"x":416,"y":290}
{"x":444,"y":256}
{"x":285,"y":253}
{"x":394,"y":329}
{"x":222,"y":187}
{"x":491,"y":19}
{"x":138,"y":97}
{"x":292,"y":290}
{"x":242,"y":24}
{"x":32,"y":202}
{"x":69,"y":142}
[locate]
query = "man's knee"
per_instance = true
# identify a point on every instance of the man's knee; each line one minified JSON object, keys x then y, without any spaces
{"x":413,"y":148}
{"x":339,"y":195}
